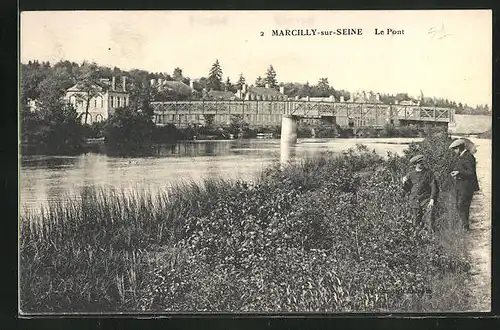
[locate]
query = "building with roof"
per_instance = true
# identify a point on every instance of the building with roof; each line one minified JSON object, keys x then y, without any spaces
{"x":101,"y":106}
{"x":261,"y":93}
{"x":364,"y":97}
{"x":330,"y":98}
{"x":222,"y":95}
{"x":172,"y":85}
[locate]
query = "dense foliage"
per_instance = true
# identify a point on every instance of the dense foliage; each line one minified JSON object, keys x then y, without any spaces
{"x":128,"y":131}
{"x":332,"y":233}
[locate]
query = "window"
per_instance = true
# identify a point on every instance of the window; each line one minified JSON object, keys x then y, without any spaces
{"x":95,"y":103}
{"x":112,"y":101}
{"x":118,"y":100}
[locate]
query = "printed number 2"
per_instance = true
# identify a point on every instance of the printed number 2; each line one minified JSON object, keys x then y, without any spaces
{"x":261,"y":33}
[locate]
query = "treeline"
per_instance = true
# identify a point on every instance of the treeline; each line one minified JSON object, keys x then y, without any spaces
{"x":68,"y":73}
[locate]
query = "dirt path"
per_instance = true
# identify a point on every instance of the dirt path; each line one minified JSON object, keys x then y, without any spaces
{"x":479,"y":238}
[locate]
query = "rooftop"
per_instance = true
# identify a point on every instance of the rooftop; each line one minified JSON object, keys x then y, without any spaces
{"x":222,"y":95}
{"x":177,"y":86}
{"x":264,"y":91}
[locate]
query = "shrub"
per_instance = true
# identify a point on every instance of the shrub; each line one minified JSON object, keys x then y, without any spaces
{"x":128,"y":131}
{"x":94,"y":130}
{"x":388,"y":131}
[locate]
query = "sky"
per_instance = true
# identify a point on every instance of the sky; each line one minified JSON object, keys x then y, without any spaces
{"x":443,"y":53}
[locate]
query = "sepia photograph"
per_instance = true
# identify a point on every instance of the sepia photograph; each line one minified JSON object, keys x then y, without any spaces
{"x":263,"y":162}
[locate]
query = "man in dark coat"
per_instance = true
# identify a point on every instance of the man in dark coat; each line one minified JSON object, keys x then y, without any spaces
{"x":423,"y":188}
{"x":465,"y":180}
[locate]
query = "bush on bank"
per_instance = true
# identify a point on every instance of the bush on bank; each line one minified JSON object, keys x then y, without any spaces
{"x":330,"y":234}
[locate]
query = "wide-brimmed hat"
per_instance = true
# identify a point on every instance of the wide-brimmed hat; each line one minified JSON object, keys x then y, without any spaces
{"x":457,"y":143}
{"x":416,"y":159}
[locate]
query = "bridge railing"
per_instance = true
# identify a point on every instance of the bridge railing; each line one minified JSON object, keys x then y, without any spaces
{"x":364,"y":114}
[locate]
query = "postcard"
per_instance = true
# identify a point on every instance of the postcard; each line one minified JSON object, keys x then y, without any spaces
{"x":263,"y":162}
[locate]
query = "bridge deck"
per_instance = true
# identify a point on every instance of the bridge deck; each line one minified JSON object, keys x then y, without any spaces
{"x":270,"y":112}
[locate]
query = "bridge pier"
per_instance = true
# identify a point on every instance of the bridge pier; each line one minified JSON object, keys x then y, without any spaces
{"x":288,"y":138}
{"x":289,"y":129}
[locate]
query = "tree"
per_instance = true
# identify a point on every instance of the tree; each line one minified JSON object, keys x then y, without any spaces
{"x":88,"y":83}
{"x":32,"y":75}
{"x":215,"y":77}
{"x":202,"y":84}
{"x":323,"y":84}
{"x":259,"y":82}
{"x":241,"y":82}
{"x":229,"y":86}
{"x":128,"y":131}
{"x":322,"y":89}
{"x":305,"y":90}
{"x":178,"y":74}
{"x":50,"y":92}
{"x":271,"y":77}
{"x":140,"y":91}
{"x":238,"y":125}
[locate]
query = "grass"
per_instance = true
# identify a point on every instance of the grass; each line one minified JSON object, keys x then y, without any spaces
{"x":331,"y":233}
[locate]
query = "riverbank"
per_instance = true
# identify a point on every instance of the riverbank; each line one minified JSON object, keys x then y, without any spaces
{"x":479,"y":238}
{"x":276,"y":244}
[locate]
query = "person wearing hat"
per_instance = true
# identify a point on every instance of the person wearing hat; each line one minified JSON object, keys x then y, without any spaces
{"x":422,"y":185}
{"x":465,"y":180}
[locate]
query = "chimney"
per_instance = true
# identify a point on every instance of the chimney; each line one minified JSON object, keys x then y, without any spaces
{"x":191,"y":84}
{"x":282,"y":89}
{"x":113,"y":83}
{"x":152,"y":82}
{"x":124,"y":83}
{"x":267,"y":85}
{"x":341,"y":98}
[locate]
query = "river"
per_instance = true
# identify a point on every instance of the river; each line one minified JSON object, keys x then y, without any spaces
{"x":51,"y":178}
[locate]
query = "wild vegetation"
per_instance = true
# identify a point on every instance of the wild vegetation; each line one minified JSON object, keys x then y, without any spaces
{"x":329,"y":234}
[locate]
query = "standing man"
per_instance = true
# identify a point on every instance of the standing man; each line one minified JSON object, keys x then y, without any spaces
{"x":465,"y":180}
{"x":424,"y":190}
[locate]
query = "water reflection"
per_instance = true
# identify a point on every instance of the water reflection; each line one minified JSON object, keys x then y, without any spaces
{"x":287,"y":153}
{"x":45,"y":178}
{"x":49,"y":162}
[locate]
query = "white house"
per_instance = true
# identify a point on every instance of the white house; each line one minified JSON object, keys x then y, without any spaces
{"x":103,"y":105}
